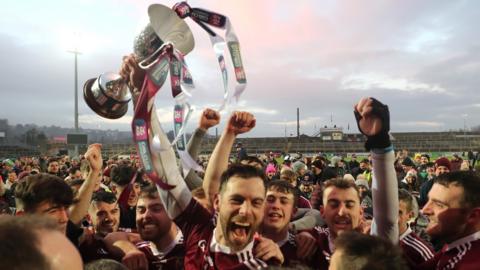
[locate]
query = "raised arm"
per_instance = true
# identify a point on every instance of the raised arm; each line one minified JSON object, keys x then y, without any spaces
{"x":209,"y":118}
{"x":80,"y":209}
{"x":305,"y":219}
{"x":238,"y":123}
{"x":164,"y":160}
{"x":373,"y":119}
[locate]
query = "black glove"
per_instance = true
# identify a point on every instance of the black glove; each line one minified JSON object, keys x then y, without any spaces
{"x":381,"y":139}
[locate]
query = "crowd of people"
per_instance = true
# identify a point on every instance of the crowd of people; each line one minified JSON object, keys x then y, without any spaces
{"x":385,"y":211}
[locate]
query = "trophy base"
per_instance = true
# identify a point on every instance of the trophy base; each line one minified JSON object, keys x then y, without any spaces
{"x":109,"y":109}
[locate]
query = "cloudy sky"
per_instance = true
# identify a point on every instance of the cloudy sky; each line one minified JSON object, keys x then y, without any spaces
{"x":422,"y":58}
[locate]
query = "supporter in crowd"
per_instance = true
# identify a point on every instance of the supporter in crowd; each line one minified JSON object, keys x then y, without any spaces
{"x":11,"y":179}
{"x":290,"y":177}
{"x":271,"y":172}
{"x":341,"y":207}
{"x":453,"y":210}
{"x":465,"y":165}
{"x":229,"y":241}
{"x":455,"y":163}
{"x":442,"y":165}
{"x":353,"y":163}
{"x":355,"y":251}
{"x":35,"y":242}
{"x":126,"y":185}
{"x":159,"y":244}
{"x":364,"y":169}
{"x":53,"y":167}
{"x":49,"y":195}
{"x":415,"y":250}
{"x":104,"y":215}
{"x":365,"y":197}
{"x":410,"y":182}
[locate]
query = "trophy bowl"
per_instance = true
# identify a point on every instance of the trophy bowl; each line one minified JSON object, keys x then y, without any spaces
{"x":107,"y":95}
{"x":171,"y":28}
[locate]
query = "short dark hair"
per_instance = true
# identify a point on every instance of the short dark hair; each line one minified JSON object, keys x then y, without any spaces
{"x":243,"y":171}
{"x":341,"y":184}
{"x":53,"y":159}
{"x":20,"y":237}
{"x":367,"y":252}
{"x":284,"y":187}
{"x":406,"y":197}
{"x":288,"y":175}
{"x":122,"y":174}
{"x":104,"y":196}
{"x":250,"y":159}
{"x":76,"y":182}
{"x":73,"y":169}
{"x":469,"y":180}
{"x":38,"y":188}
{"x":149,"y":191}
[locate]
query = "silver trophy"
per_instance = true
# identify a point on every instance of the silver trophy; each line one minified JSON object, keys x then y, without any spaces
{"x":108,"y":95}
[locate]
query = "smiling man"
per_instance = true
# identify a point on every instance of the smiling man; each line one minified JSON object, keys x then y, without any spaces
{"x":162,"y":240}
{"x":229,"y":240}
{"x":104,"y":215}
{"x":341,"y":207}
{"x":453,"y":210}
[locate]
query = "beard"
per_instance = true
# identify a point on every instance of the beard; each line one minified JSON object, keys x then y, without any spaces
{"x":238,"y":231}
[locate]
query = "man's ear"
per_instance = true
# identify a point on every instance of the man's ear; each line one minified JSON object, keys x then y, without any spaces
{"x":216,"y":202}
{"x":322,"y":211}
{"x":411,"y":215}
{"x":474,"y":216}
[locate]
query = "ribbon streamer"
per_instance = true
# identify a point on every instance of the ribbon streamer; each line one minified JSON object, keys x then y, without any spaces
{"x":168,"y":59}
{"x":203,"y":17}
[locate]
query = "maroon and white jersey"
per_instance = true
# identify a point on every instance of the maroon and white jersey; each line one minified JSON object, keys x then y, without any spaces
{"x":170,"y":258}
{"x":415,"y":250}
{"x":463,"y":254}
{"x":202,"y":251}
{"x":325,"y":248}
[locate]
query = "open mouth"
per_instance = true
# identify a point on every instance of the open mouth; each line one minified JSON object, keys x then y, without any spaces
{"x":274,"y":216}
{"x":240,"y":230}
{"x":343,"y":223}
{"x":149,"y":226}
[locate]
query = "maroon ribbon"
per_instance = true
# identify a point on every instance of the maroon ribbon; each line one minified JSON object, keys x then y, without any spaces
{"x":141,"y":124}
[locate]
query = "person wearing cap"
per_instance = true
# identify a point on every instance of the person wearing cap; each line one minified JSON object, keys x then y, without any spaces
{"x":442,"y":165}
{"x":410,"y":182}
{"x":365,"y":195}
{"x":7,"y":167}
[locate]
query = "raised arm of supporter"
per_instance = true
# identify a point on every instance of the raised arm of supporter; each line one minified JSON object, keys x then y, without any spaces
{"x":209,"y":118}
{"x":121,"y":246}
{"x":164,"y":160}
{"x":80,"y":209}
{"x":305,"y":219}
{"x":373,"y":120}
{"x":238,"y":123}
